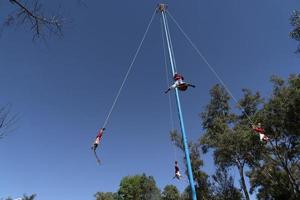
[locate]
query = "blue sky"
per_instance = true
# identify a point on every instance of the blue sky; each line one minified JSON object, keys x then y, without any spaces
{"x":64,"y":89}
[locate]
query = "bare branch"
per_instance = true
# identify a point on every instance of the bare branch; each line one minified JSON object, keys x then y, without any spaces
{"x":7,"y":120}
{"x":32,"y":15}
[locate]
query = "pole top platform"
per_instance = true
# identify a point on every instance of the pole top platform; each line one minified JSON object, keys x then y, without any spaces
{"x":161,"y":7}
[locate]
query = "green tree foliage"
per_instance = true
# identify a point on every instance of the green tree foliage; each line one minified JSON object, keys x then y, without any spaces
{"x":229,"y":134}
{"x":295,"y":22}
{"x":138,"y":187}
{"x":25,"y":197}
{"x":106,"y":196}
{"x":223,"y":186}
{"x":186,"y":195}
{"x":277,"y":175}
{"x":31,"y":197}
{"x":201,"y":178}
{"x":170,"y":192}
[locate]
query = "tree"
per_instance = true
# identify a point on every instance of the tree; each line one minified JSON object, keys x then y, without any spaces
{"x":277,"y":176}
{"x":223,"y":186}
{"x":106,"y":196}
{"x":138,"y":187}
{"x":295,"y":22}
{"x":201,"y":178}
{"x":170,"y":192}
{"x":31,"y":197}
{"x":31,"y":14}
{"x":186,"y":195}
{"x":25,"y":197}
{"x":229,"y":134}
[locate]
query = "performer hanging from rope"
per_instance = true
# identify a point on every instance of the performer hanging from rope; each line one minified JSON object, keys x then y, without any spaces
{"x":98,"y":138}
{"x":177,"y":172}
{"x":97,"y":142}
{"x":179,"y":83}
{"x":258,"y":129}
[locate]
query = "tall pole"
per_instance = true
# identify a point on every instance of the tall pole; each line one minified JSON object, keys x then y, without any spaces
{"x":162,"y":9}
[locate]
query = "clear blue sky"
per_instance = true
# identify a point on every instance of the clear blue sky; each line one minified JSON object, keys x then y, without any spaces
{"x":64,"y":90}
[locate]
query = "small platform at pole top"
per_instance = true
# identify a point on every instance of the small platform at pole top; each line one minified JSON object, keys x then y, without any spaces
{"x":161,"y":7}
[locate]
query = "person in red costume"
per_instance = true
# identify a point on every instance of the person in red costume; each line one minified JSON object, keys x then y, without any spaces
{"x":258,"y":129}
{"x":179,"y":83}
{"x":98,"y":139}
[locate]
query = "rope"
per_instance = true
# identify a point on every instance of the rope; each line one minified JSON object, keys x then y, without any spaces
{"x":210,"y":66}
{"x":128,"y":71}
{"x":171,"y":45}
{"x":169,"y":94}
{"x":167,"y":78}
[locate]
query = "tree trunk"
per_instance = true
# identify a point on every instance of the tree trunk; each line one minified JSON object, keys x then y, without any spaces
{"x":243,"y":182}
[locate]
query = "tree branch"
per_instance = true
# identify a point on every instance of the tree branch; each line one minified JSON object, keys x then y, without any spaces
{"x":36,"y":18}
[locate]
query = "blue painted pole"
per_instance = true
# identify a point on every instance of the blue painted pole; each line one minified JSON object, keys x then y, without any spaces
{"x":185,"y":144}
